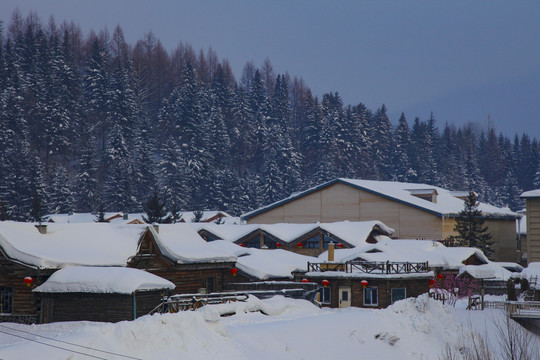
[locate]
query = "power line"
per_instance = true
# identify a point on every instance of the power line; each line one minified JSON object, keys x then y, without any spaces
{"x":54,"y":346}
{"x":64,"y":342}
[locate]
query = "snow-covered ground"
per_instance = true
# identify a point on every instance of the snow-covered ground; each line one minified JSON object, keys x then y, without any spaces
{"x":277,"y":328}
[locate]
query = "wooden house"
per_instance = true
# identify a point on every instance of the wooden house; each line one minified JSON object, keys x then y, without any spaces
{"x":377,"y":275}
{"x":177,"y":254}
{"x":108,"y":294}
{"x":532,"y":199}
{"x":414,"y":211}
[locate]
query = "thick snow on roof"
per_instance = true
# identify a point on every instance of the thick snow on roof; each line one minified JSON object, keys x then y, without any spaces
{"x":532,"y":270}
{"x":353,"y":232}
{"x":182,"y":242}
{"x":435,"y":253}
{"x":447,"y":203}
{"x":188,"y":216}
{"x":486,"y":271}
{"x":531,"y":194}
{"x":90,"y":279}
{"x":228,"y":232}
{"x":97,"y":244}
{"x":266,"y":264}
{"x":101,"y":244}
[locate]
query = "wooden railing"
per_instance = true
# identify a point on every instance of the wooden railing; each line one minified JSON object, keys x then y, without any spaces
{"x":517,"y":309}
{"x":371,"y":267}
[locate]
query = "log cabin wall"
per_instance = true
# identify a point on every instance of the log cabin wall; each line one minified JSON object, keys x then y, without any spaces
{"x":25,"y":305}
{"x":97,"y":307}
{"x":413,"y":288}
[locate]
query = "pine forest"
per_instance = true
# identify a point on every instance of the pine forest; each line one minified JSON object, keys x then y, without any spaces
{"x":88,"y":121}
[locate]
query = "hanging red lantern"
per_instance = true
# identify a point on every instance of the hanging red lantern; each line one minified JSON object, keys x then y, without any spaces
{"x":440,"y":276}
{"x":305,"y":280}
{"x":431,"y":282}
{"x":233,"y":271}
{"x":242,"y":245}
{"x":28,"y":280}
{"x":300,"y":245}
{"x":278,"y":245}
{"x":325,"y":282}
{"x":364,"y":283}
{"x":339,"y":245}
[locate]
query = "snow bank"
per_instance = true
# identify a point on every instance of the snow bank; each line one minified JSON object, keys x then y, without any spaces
{"x":411,"y":329}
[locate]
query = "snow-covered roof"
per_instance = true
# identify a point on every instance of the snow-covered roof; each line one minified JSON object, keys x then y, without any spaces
{"x":446,"y":205}
{"x":354,"y":233}
{"x":531,"y":194}
{"x":91,"y":244}
{"x":532,"y":270}
{"x":101,"y":244}
{"x":89,"y":279}
{"x":435,"y":253}
{"x":266,"y":264}
{"x":182,"y":242}
{"x":123,"y":218}
{"x":486,"y":271}
{"x":228,"y":232}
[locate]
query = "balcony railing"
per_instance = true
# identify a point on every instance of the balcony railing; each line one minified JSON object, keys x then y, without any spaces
{"x":371,"y":267}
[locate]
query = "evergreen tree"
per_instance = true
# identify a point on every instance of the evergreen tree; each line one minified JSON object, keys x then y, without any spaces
{"x":470,"y":227}
{"x":402,"y":170}
{"x":100,"y":217}
{"x":155,"y":209}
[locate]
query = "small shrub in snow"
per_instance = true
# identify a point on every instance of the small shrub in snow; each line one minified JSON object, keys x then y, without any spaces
{"x":453,"y":288}
{"x":387,"y":338}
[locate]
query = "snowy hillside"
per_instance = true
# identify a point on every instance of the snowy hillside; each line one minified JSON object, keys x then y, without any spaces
{"x":289,"y":329}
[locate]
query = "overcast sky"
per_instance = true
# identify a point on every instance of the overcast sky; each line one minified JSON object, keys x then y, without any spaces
{"x":463,"y":60}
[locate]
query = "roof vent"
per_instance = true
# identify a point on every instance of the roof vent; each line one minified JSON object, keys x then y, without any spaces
{"x":460,"y":194}
{"x":425,"y":194}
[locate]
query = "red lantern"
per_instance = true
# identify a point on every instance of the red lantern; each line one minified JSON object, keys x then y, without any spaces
{"x":431,"y":282}
{"x":339,"y":245}
{"x":233,"y":271}
{"x":242,"y":245}
{"x":305,"y":280}
{"x":325,"y":283}
{"x":364,"y":283}
{"x":278,"y":245}
{"x":28,"y":280}
{"x":440,"y":277}
{"x":300,"y":245}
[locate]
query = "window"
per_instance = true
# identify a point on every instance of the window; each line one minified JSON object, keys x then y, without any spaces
{"x":312,"y":242}
{"x":324,"y":295}
{"x":6,"y":300}
{"x":398,"y":294}
{"x":371,"y":296}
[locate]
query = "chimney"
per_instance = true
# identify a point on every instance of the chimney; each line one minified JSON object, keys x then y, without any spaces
{"x":126,"y":216}
{"x":42,"y":228}
{"x":331,"y":248}
{"x":156,"y":227}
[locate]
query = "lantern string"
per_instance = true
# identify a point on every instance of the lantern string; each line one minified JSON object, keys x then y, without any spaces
{"x":64,"y":342}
